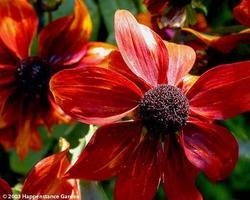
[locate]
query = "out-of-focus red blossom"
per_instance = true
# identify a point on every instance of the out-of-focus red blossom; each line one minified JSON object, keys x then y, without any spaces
{"x":224,"y":43}
{"x":144,"y":149}
{"x":25,"y":99}
{"x":156,"y":6}
{"x":242,"y":12}
{"x":47,"y":178}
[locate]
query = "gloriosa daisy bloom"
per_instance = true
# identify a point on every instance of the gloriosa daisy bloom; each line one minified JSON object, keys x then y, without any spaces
{"x":157,"y":122}
{"x":25,"y":99}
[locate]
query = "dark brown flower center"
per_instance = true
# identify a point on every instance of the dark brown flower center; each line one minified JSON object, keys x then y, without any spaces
{"x":33,"y":74}
{"x":164,"y":110}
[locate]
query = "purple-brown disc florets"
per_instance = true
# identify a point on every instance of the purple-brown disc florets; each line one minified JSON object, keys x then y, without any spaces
{"x":164,"y":109}
{"x":33,"y":74}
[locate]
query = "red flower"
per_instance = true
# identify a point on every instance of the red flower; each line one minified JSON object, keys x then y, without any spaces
{"x":47,"y":178}
{"x":242,"y":12}
{"x":25,"y":99}
{"x":222,"y":43}
{"x":157,"y":121}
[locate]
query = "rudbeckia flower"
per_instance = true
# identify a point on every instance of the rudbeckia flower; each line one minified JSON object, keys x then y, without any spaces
{"x":25,"y":99}
{"x":46,"y":181}
{"x":157,"y":123}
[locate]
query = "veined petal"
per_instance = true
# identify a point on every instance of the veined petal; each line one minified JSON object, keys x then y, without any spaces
{"x":64,"y":40}
{"x":94,"y":95}
{"x":210,"y":148}
{"x":242,"y":12}
{"x":222,"y":92}
{"x":225,"y":43}
{"x":27,"y":136}
{"x":181,"y":60}
{"x":116,"y":63}
{"x":179,"y":175}
{"x":141,"y":176}
{"x":97,"y":53}
{"x":108,"y":149}
{"x":142,"y":49}
{"x":18,"y":26}
{"x":46,"y":178}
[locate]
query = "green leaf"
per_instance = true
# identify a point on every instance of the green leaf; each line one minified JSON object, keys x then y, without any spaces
{"x":24,"y":166}
{"x":95,"y":17}
{"x":239,"y":127}
{"x":108,"y":8}
{"x":81,"y":144}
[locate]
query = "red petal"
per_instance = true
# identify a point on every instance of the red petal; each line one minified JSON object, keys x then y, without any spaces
{"x":141,"y":177}
{"x":94,"y":95}
{"x":210,"y":148}
{"x":106,"y":152}
{"x":179,"y":174}
{"x":46,"y":178}
{"x":27,"y":136}
{"x":222,"y":92}
{"x":242,"y":12}
{"x":18,"y":24}
{"x":6,"y":59}
{"x":8,"y":108}
{"x":5,"y":190}
{"x":7,"y":137}
{"x":225,"y":43}
{"x":156,"y":6}
{"x":181,"y":60}
{"x":117,"y":64}
{"x":64,"y":40}
{"x":143,"y":50}
{"x":7,"y":76}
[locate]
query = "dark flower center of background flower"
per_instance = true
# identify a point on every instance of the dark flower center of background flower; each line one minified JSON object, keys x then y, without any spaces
{"x":33,"y":74}
{"x":164,"y":110}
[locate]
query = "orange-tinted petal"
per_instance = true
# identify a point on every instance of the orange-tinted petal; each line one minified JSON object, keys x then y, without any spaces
{"x":181,"y":60}
{"x":224,"y":43}
{"x":108,"y":149}
{"x":94,"y":95}
{"x":210,"y":148}
{"x":97,"y":53}
{"x":142,"y":49}
{"x":5,"y":190}
{"x":222,"y":92}
{"x":18,"y":24}
{"x":242,"y":12}
{"x":27,"y":136}
{"x":64,"y":40}
{"x":179,"y":175}
{"x":187,"y":82}
{"x":46,"y":178}
{"x":141,"y":176}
